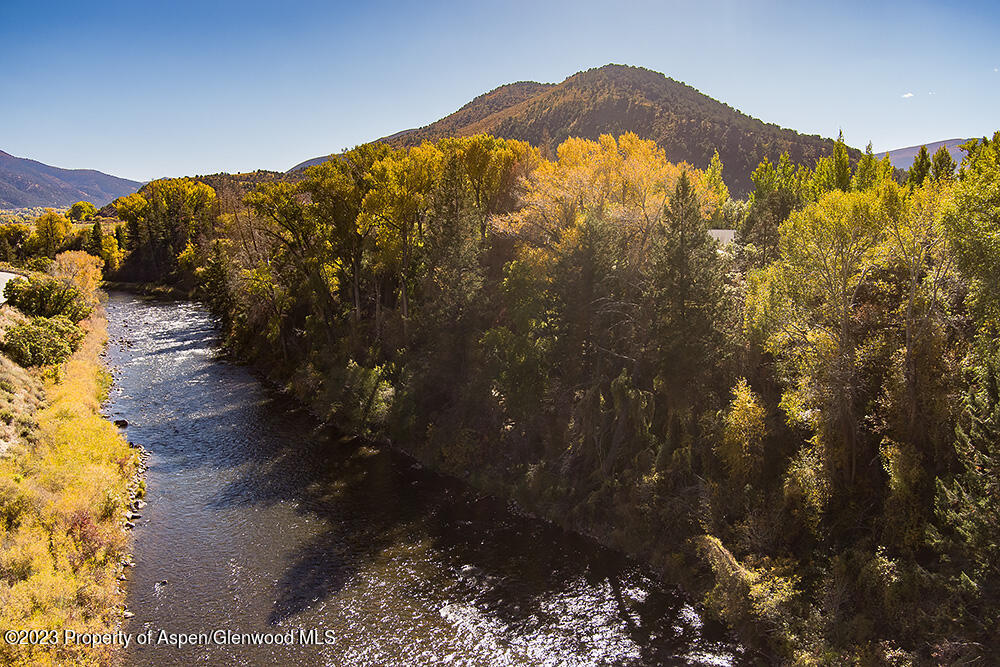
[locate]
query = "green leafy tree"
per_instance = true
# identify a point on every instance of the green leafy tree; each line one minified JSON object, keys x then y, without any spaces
{"x":971,"y":226}
{"x":741,"y":447}
{"x":16,"y":236}
{"x":833,"y":172}
{"x":828,"y":251}
{"x":337,"y":189}
{"x":81,"y":211}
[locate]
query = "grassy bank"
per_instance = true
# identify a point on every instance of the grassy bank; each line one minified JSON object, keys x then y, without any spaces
{"x":65,"y":481}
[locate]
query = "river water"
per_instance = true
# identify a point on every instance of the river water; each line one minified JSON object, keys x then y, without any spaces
{"x":259,"y":521}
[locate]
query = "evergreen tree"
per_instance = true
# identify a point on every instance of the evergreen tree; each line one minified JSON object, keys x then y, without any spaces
{"x":942,"y":165}
{"x":689,"y":291}
{"x":920,"y":169}
{"x":867,"y":173}
{"x":121,"y":237}
{"x":95,"y":244}
{"x":968,"y":508}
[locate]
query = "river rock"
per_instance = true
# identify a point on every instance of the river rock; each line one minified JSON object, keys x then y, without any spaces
{"x":470,"y":571}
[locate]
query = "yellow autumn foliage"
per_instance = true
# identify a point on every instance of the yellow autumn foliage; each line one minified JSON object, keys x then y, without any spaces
{"x":63,"y":489}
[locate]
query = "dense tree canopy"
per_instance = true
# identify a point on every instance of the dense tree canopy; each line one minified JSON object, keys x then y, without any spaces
{"x":805,"y":416}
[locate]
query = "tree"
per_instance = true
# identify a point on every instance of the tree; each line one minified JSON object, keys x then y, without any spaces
{"x":397,"y":203}
{"x":778,"y":190}
{"x":741,"y":446}
{"x":971,"y":226}
{"x":834,"y":171}
{"x":870,"y":172}
{"x":717,"y":186}
{"x":942,"y":165}
{"x":95,"y":244}
{"x":121,"y":237}
{"x":301,"y":247}
{"x":80,"y":269}
{"x":915,"y":240}
{"x":132,"y":210}
{"x":51,"y":230}
{"x":827,"y":252}
{"x":16,"y":236}
{"x":337,"y":188}
{"x":920,"y":169}
{"x":689,"y":292}
{"x":491,"y":168}
{"x":968,"y":506}
{"x":162,"y":219}
{"x":82,"y":211}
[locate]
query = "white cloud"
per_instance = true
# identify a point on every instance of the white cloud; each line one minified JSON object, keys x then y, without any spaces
{"x":907,"y":96}
{"x":996,"y":69}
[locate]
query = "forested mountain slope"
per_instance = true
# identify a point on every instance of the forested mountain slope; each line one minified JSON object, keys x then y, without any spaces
{"x":613,"y":99}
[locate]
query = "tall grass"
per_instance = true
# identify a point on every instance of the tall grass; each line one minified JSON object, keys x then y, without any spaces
{"x":63,"y":492}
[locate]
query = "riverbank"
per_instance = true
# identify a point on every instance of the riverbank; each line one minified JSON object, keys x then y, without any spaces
{"x":68,"y":479}
{"x":155,"y":290}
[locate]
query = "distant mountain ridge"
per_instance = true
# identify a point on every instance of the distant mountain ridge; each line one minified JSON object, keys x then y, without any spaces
{"x":614,"y":99}
{"x":902,"y":158}
{"x":25,"y":183}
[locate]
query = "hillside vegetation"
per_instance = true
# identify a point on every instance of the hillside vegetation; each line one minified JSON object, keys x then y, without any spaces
{"x":688,"y":125}
{"x":66,"y":473}
{"x":27,"y":183}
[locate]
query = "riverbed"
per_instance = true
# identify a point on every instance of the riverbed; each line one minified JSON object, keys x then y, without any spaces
{"x":261,"y":523}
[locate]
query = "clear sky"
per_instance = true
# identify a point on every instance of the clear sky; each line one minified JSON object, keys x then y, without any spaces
{"x":148,"y":89}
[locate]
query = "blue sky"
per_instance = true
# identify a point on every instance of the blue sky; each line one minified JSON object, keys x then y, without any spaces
{"x":148,"y":89}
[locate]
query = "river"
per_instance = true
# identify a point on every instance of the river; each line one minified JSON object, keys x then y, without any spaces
{"x":260,"y":521}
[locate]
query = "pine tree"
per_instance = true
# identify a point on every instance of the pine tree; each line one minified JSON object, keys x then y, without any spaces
{"x":688,"y":290}
{"x":920,"y":169}
{"x":121,"y":237}
{"x":95,"y":244}
{"x":968,"y":508}
{"x":942,"y":165}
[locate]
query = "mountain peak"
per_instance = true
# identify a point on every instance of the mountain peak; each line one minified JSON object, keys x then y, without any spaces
{"x":614,"y":99}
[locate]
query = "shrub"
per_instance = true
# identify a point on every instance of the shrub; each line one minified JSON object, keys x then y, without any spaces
{"x":40,"y":264}
{"x":14,"y":504}
{"x":47,"y":297}
{"x":42,"y":341}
